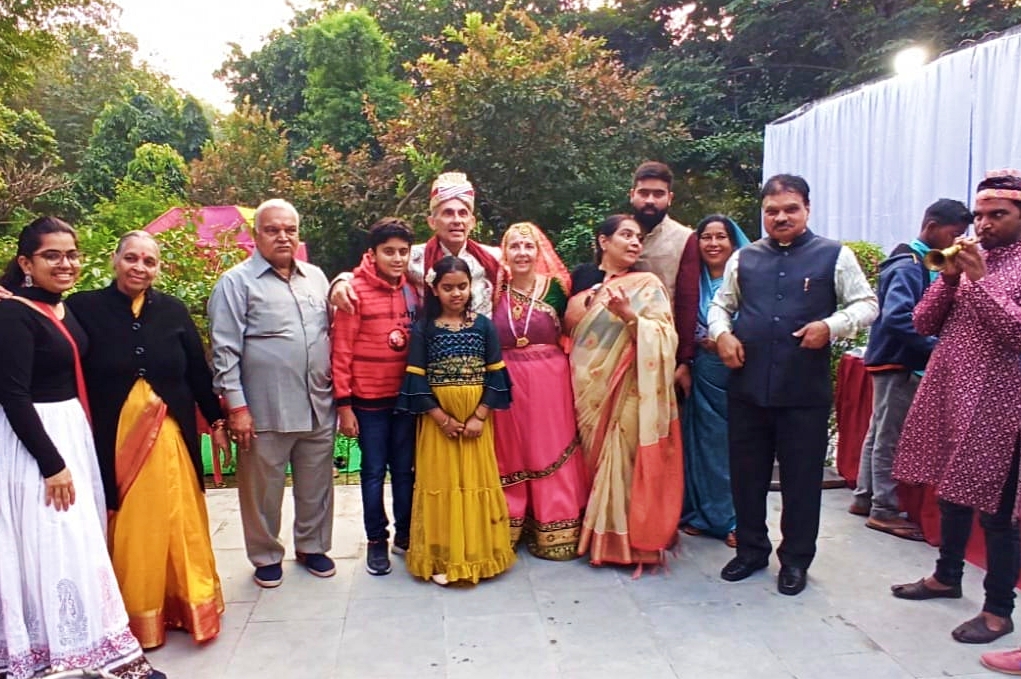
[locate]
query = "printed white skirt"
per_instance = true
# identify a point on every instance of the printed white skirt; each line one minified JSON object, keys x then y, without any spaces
{"x":60,"y":607}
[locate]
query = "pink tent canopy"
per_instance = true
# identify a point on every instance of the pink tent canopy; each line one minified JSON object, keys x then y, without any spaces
{"x":211,"y":222}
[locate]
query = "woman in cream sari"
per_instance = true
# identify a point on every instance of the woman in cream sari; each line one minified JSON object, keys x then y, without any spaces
{"x":623,"y":360}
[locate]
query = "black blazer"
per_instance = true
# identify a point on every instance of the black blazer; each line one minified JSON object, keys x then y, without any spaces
{"x":163,"y":346}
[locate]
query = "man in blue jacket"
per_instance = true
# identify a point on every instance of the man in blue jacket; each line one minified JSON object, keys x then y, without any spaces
{"x":896,"y":357}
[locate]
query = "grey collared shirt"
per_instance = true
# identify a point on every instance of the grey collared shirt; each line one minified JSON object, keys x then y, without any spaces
{"x":271,"y":346}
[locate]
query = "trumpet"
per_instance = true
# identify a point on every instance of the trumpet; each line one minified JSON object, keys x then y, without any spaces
{"x":937,"y":260}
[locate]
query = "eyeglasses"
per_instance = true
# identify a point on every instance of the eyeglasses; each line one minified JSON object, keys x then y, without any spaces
{"x":55,"y":257}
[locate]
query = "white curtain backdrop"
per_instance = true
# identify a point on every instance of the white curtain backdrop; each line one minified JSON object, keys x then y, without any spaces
{"x":876,"y":156}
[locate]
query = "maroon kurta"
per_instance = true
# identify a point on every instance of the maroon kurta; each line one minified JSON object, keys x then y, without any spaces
{"x":961,"y":430}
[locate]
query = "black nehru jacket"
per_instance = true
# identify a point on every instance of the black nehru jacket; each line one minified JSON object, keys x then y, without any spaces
{"x":782,"y":289}
{"x":161,"y":345}
{"x":36,"y":366}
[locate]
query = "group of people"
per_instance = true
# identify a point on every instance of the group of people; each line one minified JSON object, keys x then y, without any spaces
{"x":590,"y":413}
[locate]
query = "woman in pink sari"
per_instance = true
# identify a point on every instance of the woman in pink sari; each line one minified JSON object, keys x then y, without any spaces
{"x":623,"y":359}
{"x":541,"y":469}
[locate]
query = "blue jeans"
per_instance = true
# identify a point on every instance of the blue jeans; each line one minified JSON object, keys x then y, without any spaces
{"x":387,"y":441}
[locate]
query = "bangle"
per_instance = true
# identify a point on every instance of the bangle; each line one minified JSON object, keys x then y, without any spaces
{"x":238,"y":409}
{"x":218,"y":425}
{"x":445,"y":422}
{"x":477,"y":416}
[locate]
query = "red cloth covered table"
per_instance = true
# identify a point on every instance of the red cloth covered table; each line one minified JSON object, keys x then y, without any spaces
{"x":853,"y":404}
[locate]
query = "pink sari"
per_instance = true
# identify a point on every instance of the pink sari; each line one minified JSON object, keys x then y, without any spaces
{"x":627,"y":418}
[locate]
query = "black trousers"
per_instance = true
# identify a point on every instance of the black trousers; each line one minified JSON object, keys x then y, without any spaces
{"x":797,"y":439}
{"x":1002,"y":548}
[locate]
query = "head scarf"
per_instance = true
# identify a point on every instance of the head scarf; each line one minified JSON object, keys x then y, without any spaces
{"x":547,"y":262}
{"x":707,"y":287}
{"x":450,"y":185}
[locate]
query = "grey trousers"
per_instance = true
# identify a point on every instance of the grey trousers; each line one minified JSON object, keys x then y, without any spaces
{"x":892,"y":393}
{"x":261,"y":477}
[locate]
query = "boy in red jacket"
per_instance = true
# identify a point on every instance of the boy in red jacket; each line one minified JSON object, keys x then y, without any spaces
{"x":370,"y":352}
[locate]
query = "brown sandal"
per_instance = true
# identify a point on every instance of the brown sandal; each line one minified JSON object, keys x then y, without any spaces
{"x":688,"y":529}
{"x":975,"y":631}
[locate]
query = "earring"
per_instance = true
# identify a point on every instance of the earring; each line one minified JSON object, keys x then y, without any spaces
{"x":28,"y":280}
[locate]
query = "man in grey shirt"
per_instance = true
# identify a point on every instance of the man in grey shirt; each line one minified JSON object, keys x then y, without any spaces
{"x":269,"y":322}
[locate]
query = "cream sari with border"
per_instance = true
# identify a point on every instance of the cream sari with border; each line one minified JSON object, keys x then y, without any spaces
{"x":627,"y":418}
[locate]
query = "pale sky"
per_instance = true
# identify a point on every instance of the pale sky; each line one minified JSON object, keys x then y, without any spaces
{"x":187,"y":39}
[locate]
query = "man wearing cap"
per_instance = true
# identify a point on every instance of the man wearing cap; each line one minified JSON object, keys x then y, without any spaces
{"x":961,"y":433}
{"x":451,"y":218}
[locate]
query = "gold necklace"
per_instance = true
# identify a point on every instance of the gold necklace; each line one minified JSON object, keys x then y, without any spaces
{"x":523,"y":340}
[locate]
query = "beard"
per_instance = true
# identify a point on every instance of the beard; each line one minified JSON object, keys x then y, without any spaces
{"x":649,"y":218}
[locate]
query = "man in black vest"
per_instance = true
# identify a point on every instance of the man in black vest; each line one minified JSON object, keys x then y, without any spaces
{"x":782,"y":300}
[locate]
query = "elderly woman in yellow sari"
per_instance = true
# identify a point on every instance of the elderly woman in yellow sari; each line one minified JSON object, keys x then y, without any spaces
{"x":623,"y":359}
{"x":145,"y":371}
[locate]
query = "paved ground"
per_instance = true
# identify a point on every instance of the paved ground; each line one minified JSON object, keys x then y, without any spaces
{"x":571,"y":621}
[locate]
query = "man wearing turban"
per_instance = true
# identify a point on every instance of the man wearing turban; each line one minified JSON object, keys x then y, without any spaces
{"x":451,"y":218}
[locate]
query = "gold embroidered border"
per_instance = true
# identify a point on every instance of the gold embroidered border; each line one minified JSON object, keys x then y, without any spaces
{"x":525,"y":475}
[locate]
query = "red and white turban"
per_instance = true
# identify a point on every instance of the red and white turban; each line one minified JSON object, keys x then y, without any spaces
{"x":451,"y":185}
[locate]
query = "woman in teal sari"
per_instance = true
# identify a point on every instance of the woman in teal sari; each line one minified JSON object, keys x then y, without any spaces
{"x":708,"y":504}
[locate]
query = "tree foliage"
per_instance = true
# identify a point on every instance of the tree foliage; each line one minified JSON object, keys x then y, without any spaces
{"x":28,"y":161}
{"x":537,"y":118}
{"x":247,"y":164}
{"x":125,"y":125}
{"x":26,"y":35}
{"x":349,"y":70}
{"x":91,"y":67}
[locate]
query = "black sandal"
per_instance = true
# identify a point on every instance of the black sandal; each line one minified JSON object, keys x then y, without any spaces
{"x":919,"y":591}
{"x":975,"y":631}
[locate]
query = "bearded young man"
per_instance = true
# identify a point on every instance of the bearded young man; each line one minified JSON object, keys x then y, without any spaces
{"x":669,"y":251}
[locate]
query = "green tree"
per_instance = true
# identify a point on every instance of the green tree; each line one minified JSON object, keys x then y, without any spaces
{"x":28,"y":162}
{"x":245,"y":165}
{"x":121,"y":128}
{"x":26,"y":36}
{"x":418,"y":27}
{"x":91,"y":67}
{"x":159,"y":166}
{"x":273,"y":78}
{"x":537,"y":118}
{"x":349,"y":70}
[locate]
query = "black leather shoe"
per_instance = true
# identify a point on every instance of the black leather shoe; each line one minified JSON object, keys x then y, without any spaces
{"x":792,"y":580}
{"x":739,"y":569}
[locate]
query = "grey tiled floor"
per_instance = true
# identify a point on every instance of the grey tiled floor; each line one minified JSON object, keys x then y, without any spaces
{"x":571,"y":621}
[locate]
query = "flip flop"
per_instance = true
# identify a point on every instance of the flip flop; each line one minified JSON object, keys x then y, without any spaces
{"x":898,"y":528}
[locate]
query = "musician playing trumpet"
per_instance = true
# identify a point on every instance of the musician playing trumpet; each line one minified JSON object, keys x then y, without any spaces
{"x":961,"y":433}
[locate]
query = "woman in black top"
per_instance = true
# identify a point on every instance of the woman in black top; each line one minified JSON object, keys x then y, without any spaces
{"x":61,"y":607}
{"x":145,"y":371}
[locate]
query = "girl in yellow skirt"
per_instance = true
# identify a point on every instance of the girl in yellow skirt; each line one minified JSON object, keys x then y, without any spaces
{"x":460,"y":528}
